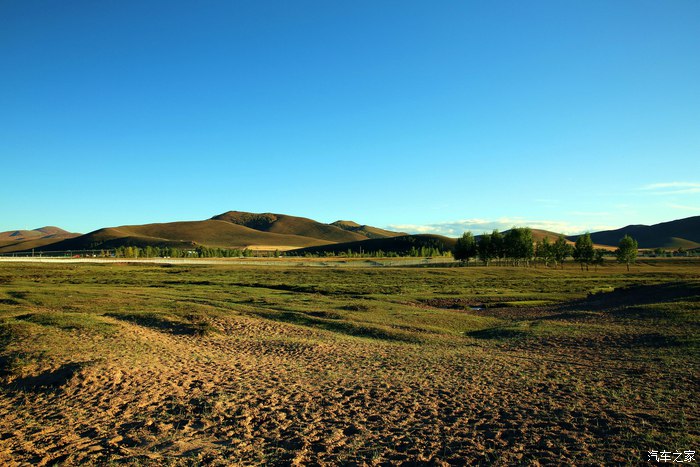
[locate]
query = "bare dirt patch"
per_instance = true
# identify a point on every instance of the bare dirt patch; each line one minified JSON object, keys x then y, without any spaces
{"x":286,"y":376}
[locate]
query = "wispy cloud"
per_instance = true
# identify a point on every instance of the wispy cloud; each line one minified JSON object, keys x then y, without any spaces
{"x":590,"y":213}
{"x":683,"y":207}
{"x":672,"y":188}
{"x":456,"y":228}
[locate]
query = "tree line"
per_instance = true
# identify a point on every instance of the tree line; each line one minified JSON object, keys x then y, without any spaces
{"x":517,"y":247}
{"x":413,"y":251}
{"x":172,"y":252}
{"x":513,"y":247}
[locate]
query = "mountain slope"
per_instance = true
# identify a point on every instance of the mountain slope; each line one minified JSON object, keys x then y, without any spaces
{"x":42,"y":232}
{"x":290,"y":225}
{"x":366,"y":230}
{"x":213,"y":233}
{"x":23,"y":240}
{"x":674,"y":234}
{"x":233,"y":229}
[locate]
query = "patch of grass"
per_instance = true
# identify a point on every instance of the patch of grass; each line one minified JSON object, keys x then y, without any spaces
{"x":69,"y":321}
{"x":357,"y":306}
{"x":325,"y":314}
{"x":525,"y":303}
{"x":342,"y":327}
{"x":601,"y":290}
{"x":13,"y":330}
{"x":190,"y":325}
{"x":16,"y":363}
{"x":500,"y":333}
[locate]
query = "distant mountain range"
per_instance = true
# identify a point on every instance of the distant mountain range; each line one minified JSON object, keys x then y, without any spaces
{"x":681,"y":233}
{"x":268,"y":231}
{"x":233,"y":229}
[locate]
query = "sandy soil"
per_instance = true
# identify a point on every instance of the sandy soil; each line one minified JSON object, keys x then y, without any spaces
{"x":288,"y":399}
{"x":252,"y":390}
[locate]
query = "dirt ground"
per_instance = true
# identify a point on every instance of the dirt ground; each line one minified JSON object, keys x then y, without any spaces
{"x":252,"y":390}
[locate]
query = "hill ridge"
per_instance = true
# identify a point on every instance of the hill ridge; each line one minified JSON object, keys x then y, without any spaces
{"x":684,"y":233}
{"x":240,"y":229}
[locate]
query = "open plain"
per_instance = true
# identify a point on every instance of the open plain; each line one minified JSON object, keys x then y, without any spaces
{"x":250,"y":364}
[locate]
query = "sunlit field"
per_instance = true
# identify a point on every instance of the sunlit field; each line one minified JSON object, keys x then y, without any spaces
{"x":225,"y":364}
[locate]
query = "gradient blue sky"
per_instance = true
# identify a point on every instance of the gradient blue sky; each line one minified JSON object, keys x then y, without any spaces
{"x":424,"y":116}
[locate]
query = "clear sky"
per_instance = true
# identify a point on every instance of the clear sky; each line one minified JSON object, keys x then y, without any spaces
{"x":424,"y":116}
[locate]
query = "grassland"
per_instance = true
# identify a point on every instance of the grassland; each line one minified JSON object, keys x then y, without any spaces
{"x":221,"y":364}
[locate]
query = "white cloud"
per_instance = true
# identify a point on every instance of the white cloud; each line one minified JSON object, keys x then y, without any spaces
{"x":590,"y":213}
{"x":683,"y":207}
{"x":654,"y":186}
{"x":478,"y":226}
{"x":672,"y":188}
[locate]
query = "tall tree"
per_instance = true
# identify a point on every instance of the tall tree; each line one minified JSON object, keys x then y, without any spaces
{"x":627,"y":250}
{"x":519,"y":244}
{"x":544,"y":250}
{"x":465,"y":247}
{"x":485,"y":249}
{"x":561,"y":250}
{"x":584,"y":251}
{"x":599,"y":257}
{"x":497,"y":247}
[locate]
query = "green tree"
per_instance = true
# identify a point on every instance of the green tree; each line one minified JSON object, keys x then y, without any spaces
{"x":485,"y":248}
{"x":583,"y":250}
{"x":465,"y":248}
{"x":497,"y":246}
{"x":519,"y":245}
{"x":561,"y":250}
{"x":544,"y":250}
{"x":598,"y":257}
{"x":627,"y":250}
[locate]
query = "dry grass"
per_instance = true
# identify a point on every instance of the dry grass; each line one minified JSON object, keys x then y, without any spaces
{"x":290,"y":365}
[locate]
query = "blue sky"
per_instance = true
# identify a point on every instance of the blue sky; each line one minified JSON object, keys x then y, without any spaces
{"x":422,"y":116}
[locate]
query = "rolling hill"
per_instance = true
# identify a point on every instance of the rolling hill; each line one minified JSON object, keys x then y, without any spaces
{"x":539,"y":234}
{"x":366,"y":230}
{"x":233,"y":229}
{"x":42,"y":232}
{"x":683,"y":233}
{"x":213,"y":233}
{"x":23,"y":240}
{"x":290,"y":225}
{"x":269,"y":231}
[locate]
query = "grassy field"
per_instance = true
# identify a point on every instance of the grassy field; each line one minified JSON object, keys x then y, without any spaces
{"x":220,"y":364}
